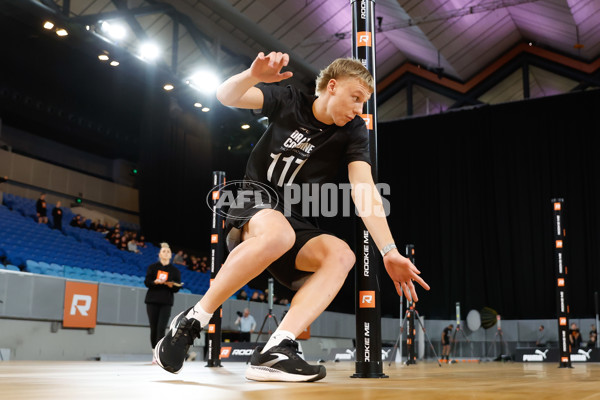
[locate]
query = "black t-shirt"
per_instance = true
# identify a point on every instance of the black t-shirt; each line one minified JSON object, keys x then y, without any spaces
{"x":40,"y":207}
{"x":446,"y":335}
{"x":161,"y":294}
{"x":297,"y":148}
{"x":57,"y":216}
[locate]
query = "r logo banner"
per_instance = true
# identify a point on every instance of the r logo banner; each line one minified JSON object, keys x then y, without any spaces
{"x":81,"y":303}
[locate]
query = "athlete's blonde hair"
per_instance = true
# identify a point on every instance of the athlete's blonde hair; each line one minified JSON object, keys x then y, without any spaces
{"x":344,"y":68}
{"x":165,"y":245}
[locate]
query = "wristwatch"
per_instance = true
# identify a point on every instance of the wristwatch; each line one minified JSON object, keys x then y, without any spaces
{"x":387,"y":248}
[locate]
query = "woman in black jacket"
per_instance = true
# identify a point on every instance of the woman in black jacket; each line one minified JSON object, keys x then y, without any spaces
{"x":162,"y":279}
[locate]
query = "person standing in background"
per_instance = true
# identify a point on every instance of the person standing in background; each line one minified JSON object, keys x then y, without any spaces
{"x":57,"y":215}
{"x":247,"y":325}
{"x":593,"y":337}
{"x":446,"y":342}
{"x":541,"y":337}
{"x":40,"y":209}
{"x":163,"y":279}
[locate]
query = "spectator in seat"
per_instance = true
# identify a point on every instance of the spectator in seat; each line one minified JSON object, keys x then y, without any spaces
{"x":132,"y":245}
{"x":178,"y":259}
{"x":142,"y":242}
{"x":254,"y":296}
{"x":123,"y":243}
{"x":75,"y":221}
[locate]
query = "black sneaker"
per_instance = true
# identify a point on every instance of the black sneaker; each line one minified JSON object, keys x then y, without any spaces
{"x":171,"y":351}
{"x":282,"y":363}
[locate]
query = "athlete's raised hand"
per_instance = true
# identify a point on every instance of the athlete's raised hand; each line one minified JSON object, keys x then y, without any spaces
{"x":267,"y":68}
{"x":403,"y":273}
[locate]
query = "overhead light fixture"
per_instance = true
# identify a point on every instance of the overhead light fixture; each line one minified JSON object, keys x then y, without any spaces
{"x":206,"y":109}
{"x":245,"y":126}
{"x":103,"y":57}
{"x":115,"y":31}
{"x":168,"y":87}
{"x":48,"y":25}
{"x":114,"y":63}
{"x":62,"y":32}
{"x":205,"y":81}
{"x":197,"y":105}
{"x":149,"y":51}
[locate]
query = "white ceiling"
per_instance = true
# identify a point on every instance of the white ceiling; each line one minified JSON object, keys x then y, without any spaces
{"x":461,"y":36}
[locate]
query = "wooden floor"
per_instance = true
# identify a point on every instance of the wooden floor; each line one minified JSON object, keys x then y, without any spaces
{"x":426,"y":380}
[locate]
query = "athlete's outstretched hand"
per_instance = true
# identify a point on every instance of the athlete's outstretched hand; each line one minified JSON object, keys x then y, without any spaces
{"x":267,"y":68}
{"x":403,"y":273}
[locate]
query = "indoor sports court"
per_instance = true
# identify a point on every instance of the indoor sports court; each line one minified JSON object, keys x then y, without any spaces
{"x":291,"y":199}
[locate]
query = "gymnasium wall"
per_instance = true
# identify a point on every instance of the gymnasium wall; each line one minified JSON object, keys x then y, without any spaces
{"x":31,"y":311}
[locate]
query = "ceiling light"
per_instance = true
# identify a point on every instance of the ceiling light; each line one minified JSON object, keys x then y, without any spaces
{"x":115,"y":31}
{"x":245,"y":126}
{"x":48,"y":25}
{"x":114,"y":63}
{"x":205,"y":81}
{"x":149,"y":51}
{"x":103,"y":57}
{"x":168,"y":87}
{"x":62,"y":32}
{"x":206,"y":109}
{"x":197,"y":105}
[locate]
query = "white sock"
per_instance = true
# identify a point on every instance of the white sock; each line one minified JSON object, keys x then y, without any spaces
{"x":276,"y":338}
{"x":197,"y":312}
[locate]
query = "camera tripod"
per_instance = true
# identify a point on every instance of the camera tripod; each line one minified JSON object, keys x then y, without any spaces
{"x":498,"y":338}
{"x":411,"y":313}
{"x":452,"y":344}
{"x":268,"y":318}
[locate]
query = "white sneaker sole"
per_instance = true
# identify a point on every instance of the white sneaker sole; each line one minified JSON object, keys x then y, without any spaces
{"x":266,"y":374}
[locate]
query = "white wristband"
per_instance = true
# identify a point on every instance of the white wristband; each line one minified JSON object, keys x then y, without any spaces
{"x":387,"y":248}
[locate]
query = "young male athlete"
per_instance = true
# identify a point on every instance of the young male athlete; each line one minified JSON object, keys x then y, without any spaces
{"x":307,"y":139}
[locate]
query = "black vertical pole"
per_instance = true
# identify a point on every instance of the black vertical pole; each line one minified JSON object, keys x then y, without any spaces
{"x":410,"y":316}
{"x":217,"y":255}
{"x":597,"y":318}
{"x":368,"y":309}
{"x":561,"y":284}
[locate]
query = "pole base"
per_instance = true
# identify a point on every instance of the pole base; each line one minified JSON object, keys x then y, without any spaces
{"x":213,"y":364}
{"x":369,"y":370}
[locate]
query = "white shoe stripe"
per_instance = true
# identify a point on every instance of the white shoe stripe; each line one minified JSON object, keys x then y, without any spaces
{"x":265,"y":374}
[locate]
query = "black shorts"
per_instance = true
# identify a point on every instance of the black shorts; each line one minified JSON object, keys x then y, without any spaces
{"x":284,"y":268}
